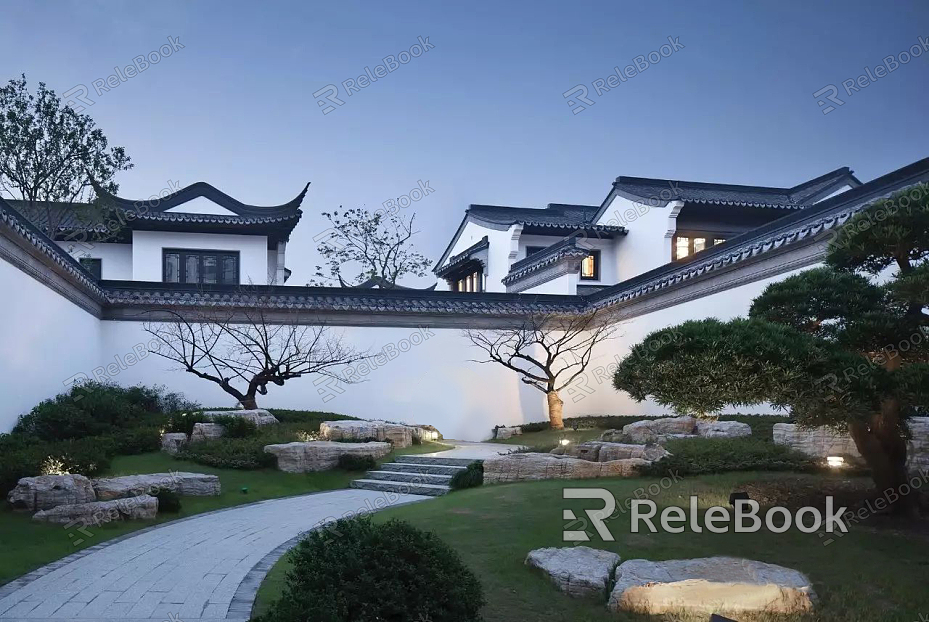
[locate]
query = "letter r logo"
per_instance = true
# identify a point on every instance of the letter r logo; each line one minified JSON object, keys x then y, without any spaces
{"x":597,"y":517}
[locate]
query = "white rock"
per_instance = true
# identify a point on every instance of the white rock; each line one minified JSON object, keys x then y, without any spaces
{"x":321,"y":455}
{"x":505,"y":433}
{"x":206,"y":432}
{"x":258,"y":416}
{"x":649,"y":430}
{"x":173,"y":442}
{"x":815,"y":442}
{"x":710,"y":585}
{"x":623,"y":451}
{"x":362,"y":431}
{"x":537,"y":466}
{"x":44,"y":492}
{"x":99,"y":512}
{"x":918,"y":448}
{"x":187,"y":484}
{"x":722,"y":429}
{"x":577,"y":570}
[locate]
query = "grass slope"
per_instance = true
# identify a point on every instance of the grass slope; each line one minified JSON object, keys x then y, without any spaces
{"x":867,"y":575}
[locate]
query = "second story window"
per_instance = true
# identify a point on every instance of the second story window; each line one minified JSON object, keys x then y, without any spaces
{"x":686,"y":244}
{"x":470,"y":283}
{"x":590,"y":267}
{"x":202,"y":267}
{"x":93,"y":265}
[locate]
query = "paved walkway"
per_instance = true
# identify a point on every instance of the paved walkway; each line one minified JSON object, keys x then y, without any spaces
{"x":477,"y":451}
{"x":204,"y":568}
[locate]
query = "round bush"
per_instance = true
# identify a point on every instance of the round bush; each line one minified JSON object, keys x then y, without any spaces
{"x":472,"y":476}
{"x":358,"y":571}
{"x":168,"y":500}
{"x":351,"y":462}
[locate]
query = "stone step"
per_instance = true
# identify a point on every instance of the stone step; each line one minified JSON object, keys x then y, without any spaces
{"x":436,"y":460}
{"x":400,"y":476}
{"x":431,"y":469}
{"x":432,"y":490}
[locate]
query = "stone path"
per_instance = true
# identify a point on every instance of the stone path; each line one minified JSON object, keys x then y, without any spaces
{"x":474,"y":451}
{"x":204,"y":568}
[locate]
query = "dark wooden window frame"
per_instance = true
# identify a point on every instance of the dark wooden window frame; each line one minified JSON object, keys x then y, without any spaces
{"x":190,"y":252}
{"x":707,"y":235}
{"x":596,"y":277}
{"x":96,"y":262}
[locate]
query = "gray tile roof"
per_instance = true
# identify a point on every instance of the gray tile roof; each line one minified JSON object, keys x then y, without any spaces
{"x":559,"y":251}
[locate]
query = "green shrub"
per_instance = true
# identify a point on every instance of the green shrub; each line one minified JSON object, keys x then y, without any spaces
{"x":357,"y":571}
{"x":185,"y":422}
{"x":717,"y":455}
{"x":95,"y":409}
{"x":236,"y":427}
{"x":26,"y":457}
{"x":472,"y":476}
{"x":230,"y":453}
{"x":135,"y":441}
{"x":309,"y":417}
{"x":168,"y":500}
{"x":352,"y":462}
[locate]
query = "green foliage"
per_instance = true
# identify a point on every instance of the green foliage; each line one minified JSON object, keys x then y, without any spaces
{"x":352,"y":462}
{"x":717,"y":455}
{"x":819,"y":301}
{"x":892,"y":231}
{"x":307,"y":417}
{"x":357,"y":571}
{"x":168,"y":500}
{"x":236,"y":427}
{"x":36,"y":133}
{"x":26,"y":457}
{"x":185,"y":422}
{"x":472,"y":476}
{"x":230,"y":453}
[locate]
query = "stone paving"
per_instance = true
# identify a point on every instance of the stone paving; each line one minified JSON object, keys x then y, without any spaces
{"x":204,"y":568}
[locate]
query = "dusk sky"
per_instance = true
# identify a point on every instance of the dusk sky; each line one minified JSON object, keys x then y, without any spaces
{"x":480,"y":116}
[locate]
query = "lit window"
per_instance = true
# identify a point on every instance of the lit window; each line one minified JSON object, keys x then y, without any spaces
{"x":590,"y":266}
{"x":469,"y":283}
{"x":699,"y":244}
{"x":682,"y":248}
{"x":718,"y":241}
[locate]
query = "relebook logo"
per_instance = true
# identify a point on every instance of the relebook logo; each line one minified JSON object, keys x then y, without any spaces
{"x":742,"y":518}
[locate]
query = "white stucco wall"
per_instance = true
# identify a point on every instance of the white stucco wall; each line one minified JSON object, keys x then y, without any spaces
{"x":116,"y":259}
{"x":147,"y":249}
{"x":498,"y":259}
{"x":645,"y":246}
{"x":46,"y":341}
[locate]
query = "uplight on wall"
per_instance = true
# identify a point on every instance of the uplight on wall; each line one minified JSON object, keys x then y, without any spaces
{"x":835,"y":461}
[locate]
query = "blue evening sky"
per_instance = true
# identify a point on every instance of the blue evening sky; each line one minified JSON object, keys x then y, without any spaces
{"x":481,"y":116}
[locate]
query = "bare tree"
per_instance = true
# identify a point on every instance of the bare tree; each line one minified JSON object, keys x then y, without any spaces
{"x":244,"y":354}
{"x":377,"y":244}
{"x":548,"y":351}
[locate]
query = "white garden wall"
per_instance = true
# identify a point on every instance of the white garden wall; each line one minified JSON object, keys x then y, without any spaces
{"x":46,"y":341}
{"x":147,"y":247}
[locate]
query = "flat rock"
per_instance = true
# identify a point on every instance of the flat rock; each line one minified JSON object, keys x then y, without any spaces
{"x":99,"y":512}
{"x":44,"y":492}
{"x":173,"y":442}
{"x":258,"y":416}
{"x":623,"y":451}
{"x":722,"y":429}
{"x":510,"y":432}
{"x":322,"y":455}
{"x":815,"y":442}
{"x":577,"y":570}
{"x":709,"y":585}
{"x":186,"y":484}
{"x":362,"y":431}
{"x":538,"y":466}
{"x":206,"y":432}
{"x":649,"y":430}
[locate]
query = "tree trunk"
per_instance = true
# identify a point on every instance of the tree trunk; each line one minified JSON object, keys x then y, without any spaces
{"x":880,"y":442}
{"x":555,"y":405}
{"x":249,"y":402}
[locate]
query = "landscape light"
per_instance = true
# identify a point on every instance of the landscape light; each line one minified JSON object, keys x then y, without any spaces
{"x":565,"y":441}
{"x":835,"y":461}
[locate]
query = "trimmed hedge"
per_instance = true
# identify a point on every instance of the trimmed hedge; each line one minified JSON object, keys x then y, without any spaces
{"x":355,"y":570}
{"x":696,"y":456}
{"x":472,"y":476}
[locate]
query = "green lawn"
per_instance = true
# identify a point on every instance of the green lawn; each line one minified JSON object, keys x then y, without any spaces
{"x":546,"y":438}
{"x":869,"y":574}
{"x":26,"y":544}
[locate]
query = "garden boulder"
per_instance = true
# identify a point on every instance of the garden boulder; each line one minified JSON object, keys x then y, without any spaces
{"x":321,"y":455}
{"x":710,"y":585}
{"x":206,"y":432}
{"x":602,"y":451}
{"x":258,"y":416}
{"x":187,"y":484}
{"x":351,"y":430}
{"x":504,"y":433}
{"x":99,"y":512}
{"x":576,"y":570}
{"x":722,"y":429}
{"x":44,"y":492}
{"x":536,"y":466}
{"x":173,"y":442}
{"x":652,"y":430}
